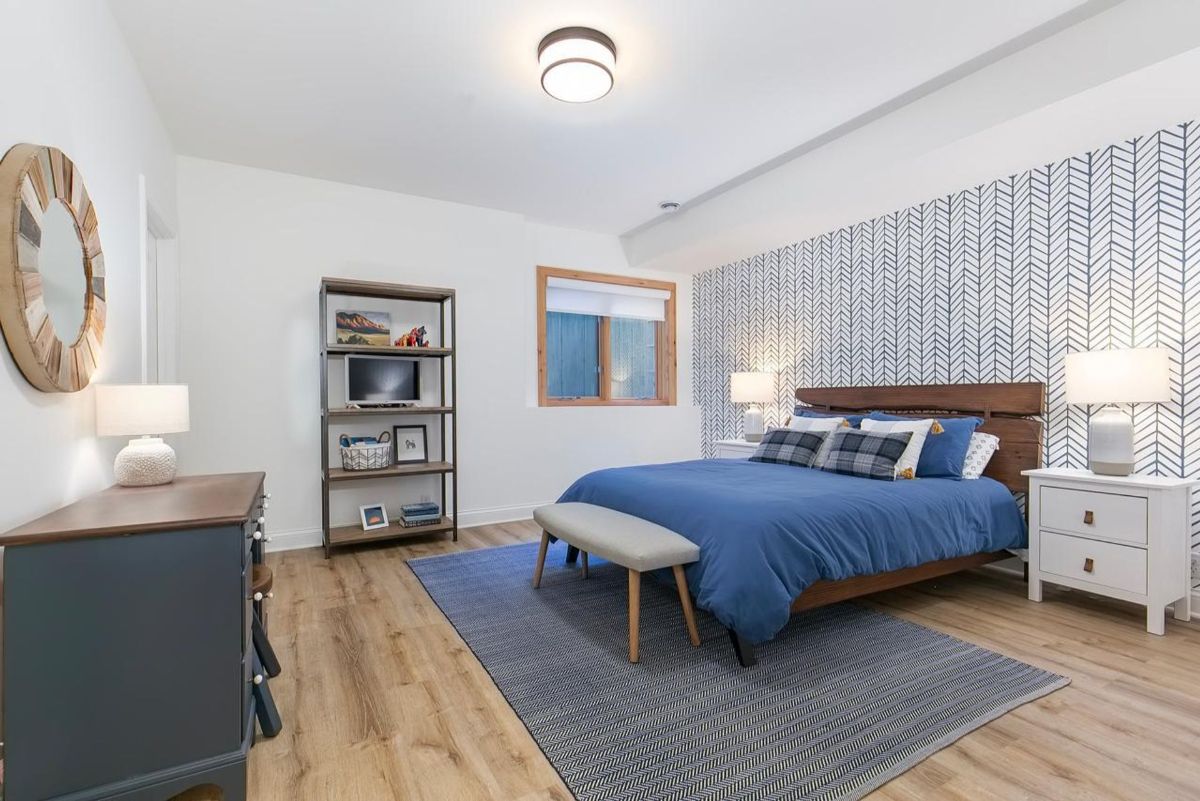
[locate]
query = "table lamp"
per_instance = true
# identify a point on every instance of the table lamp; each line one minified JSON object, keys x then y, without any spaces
{"x":1109,"y":377}
{"x":130,"y":410}
{"x":752,"y":388}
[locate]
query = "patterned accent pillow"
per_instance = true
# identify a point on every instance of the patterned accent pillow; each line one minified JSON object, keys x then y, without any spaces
{"x":979,"y":453}
{"x":784,"y":446}
{"x":822,"y":424}
{"x":906,"y":467}
{"x":861,"y":453}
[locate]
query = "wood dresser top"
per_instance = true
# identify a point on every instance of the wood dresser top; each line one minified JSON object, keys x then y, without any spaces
{"x":187,"y":502}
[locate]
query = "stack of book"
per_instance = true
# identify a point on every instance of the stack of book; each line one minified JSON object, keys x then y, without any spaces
{"x":420,"y":514}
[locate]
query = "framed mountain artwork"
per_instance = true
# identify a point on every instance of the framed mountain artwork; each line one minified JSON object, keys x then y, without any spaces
{"x":363,"y":328}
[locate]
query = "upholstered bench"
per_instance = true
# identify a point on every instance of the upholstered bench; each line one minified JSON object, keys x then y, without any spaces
{"x":631,"y":542}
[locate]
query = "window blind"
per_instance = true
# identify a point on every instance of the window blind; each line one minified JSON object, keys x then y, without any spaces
{"x":572,"y":296}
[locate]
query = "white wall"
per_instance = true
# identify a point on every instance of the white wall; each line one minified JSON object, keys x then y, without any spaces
{"x":254,"y":245}
{"x":70,"y":82}
{"x":1121,"y":73}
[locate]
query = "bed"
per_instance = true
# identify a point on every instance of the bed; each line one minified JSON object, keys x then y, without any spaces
{"x":775,"y":539}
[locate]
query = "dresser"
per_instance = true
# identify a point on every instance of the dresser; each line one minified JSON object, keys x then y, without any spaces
{"x":734,"y":448}
{"x":127,"y":643}
{"x":1125,"y":537}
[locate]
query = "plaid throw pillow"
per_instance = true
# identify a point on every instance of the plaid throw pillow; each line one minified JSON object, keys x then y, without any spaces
{"x":784,"y":446}
{"x":861,"y":453}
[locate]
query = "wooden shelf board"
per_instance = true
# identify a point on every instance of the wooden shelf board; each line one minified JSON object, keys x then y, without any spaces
{"x":388,"y":350}
{"x":377,"y":289}
{"x":347,"y":535}
{"x":383,"y":412}
{"x":424,"y":468}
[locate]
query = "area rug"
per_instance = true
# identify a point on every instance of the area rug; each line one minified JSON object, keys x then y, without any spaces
{"x":844,"y":699}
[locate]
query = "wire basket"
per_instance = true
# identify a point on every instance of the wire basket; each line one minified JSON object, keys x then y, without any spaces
{"x":367,"y":457}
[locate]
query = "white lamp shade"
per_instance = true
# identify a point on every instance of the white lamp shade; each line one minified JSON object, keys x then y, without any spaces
{"x":1132,"y":375}
{"x":751,"y":387}
{"x":125,"y":410}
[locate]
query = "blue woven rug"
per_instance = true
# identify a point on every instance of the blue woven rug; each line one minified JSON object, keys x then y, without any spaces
{"x":843,"y":700}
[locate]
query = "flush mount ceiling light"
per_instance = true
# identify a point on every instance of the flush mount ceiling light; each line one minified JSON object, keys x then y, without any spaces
{"x":577,"y":64}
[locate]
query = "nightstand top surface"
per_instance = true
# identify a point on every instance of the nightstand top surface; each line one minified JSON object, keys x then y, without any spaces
{"x":742,"y":442}
{"x":1133,"y":480}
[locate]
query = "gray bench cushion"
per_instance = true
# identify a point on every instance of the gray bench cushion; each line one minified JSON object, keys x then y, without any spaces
{"x":624,"y":539}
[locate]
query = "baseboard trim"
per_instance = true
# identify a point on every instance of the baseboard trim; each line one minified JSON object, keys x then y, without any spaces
{"x":311,"y":537}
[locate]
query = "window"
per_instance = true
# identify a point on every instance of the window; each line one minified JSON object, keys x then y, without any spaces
{"x":604,"y":339}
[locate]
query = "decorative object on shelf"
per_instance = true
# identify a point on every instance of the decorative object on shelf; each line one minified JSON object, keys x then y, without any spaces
{"x":52,"y":293}
{"x":413,"y":339}
{"x":752,"y":388}
{"x":1109,"y":377}
{"x":577,"y":64}
{"x":411,"y":444}
{"x":363,"y":327}
{"x":124,"y":410}
{"x":366,"y":453}
{"x":373,"y":516}
{"x":420,"y":514}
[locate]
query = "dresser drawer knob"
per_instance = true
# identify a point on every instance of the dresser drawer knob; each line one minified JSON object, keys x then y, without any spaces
{"x":270,"y":594}
{"x":266,"y":504}
{"x":258,"y":678}
{"x":1088,"y":517}
{"x":257,"y":535}
{"x":1088,"y":565}
{"x":258,"y":596}
{"x":267,"y":496}
{"x":261,"y":520}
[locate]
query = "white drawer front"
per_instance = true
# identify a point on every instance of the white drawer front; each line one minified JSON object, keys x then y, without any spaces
{"x":1096,"y":514}
{"x":1118,"y":566}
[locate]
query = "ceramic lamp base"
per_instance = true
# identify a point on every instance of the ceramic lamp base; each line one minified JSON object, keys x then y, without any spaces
{"x":1110,"y":442}
{"x":752,"y":425}
{"x":145,"y":462}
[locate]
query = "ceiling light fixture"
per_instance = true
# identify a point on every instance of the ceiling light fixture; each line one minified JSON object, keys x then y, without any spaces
{"x":669,"y":206}
{"x":577,"y":64}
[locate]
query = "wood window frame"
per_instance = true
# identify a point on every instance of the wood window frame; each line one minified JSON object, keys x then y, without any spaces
{"x":665,"y":368}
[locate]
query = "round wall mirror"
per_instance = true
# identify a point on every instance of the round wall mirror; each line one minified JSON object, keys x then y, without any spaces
{"x":52,"y":306}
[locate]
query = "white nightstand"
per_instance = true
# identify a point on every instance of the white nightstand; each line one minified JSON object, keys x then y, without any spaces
{"x":734,"y":448}
{"x":1125,"y":537}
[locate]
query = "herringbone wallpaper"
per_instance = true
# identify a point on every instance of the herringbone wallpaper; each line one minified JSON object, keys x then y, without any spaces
{"x":994,"y":283}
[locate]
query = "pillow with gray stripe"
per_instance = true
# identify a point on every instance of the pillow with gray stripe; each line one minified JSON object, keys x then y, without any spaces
{"x":861,"y":453}
{"x":784,"y":446}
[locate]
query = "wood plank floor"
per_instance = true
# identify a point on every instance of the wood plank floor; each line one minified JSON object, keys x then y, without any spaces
{"x":381,"y":699}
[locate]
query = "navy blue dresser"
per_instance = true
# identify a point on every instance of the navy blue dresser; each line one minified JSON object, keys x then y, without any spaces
{"x":128,"y":663}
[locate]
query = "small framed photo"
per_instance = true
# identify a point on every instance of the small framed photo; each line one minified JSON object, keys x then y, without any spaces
{"x":411,"y":446}
{"x":373,"y":516}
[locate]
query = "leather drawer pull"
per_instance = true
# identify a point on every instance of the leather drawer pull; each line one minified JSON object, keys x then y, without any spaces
{"x":1088,"y":517}
{"x":1088,"y":565}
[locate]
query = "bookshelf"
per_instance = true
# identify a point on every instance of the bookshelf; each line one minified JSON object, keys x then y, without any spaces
{"x":445,"y":468}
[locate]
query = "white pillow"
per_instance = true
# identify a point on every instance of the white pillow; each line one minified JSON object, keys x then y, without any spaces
{"x":819,"y":424}
{"x":906,"y":465}
{"x":979,"y":453}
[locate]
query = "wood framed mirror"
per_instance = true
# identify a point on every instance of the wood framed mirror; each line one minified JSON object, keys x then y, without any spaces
{"x":52,"y":297}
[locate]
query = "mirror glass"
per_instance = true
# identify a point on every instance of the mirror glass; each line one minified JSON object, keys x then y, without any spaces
{"x":64,"y":281}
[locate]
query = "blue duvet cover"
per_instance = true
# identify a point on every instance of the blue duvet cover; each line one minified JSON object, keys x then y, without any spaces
{"x":768,"y":531}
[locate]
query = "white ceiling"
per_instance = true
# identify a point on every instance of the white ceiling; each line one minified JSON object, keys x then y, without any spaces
{"x":441,"y":98}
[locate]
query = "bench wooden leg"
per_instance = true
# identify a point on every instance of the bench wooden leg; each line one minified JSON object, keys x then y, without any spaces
{"x":585,"y":564}
{"x":685,"y":600}
{"x":635,"y":608}
{"x":541,"y":562}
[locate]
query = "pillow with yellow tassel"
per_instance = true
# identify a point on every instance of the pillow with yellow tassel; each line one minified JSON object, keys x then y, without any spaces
{"x":945,"y":449}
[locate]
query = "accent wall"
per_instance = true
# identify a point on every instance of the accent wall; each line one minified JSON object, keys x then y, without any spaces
{"x":996,"y":282}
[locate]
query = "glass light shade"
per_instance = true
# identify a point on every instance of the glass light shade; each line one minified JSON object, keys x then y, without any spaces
{"x":751,"y":387}
{"x":1132,"y":375}
{"x":577,"y":64}
{"x":124,"y":410}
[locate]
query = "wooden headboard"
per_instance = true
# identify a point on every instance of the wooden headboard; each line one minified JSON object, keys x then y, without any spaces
{"x":1009,"y":411}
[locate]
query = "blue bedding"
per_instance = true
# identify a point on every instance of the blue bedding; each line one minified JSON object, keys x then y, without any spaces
{"x":768,"y":531}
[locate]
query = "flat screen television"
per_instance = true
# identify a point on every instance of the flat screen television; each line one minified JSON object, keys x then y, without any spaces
{"x":382,"y":381}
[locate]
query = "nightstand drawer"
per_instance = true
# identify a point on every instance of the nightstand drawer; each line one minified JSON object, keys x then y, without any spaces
{"x":1118,"y":566}
{"x":1095,"y":514}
